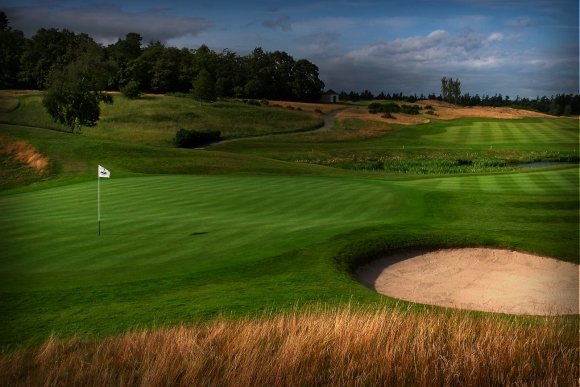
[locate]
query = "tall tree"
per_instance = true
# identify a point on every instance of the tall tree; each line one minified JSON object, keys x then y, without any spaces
{"x":204,"y":87}
{"x":123,"y":52}
{"x":75,"y":92}
{"x":11,"y":48}
{"x":450,"y":90}
{"x":306,"y":85}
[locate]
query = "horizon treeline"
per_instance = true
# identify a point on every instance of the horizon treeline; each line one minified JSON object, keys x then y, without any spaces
{"x":561,"y":104}
{"x":156,"y":68}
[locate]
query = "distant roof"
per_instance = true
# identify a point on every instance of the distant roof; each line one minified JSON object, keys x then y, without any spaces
{"x":330,"y":91}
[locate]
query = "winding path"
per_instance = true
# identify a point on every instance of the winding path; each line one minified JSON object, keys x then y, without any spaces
{"x":328,"y":124}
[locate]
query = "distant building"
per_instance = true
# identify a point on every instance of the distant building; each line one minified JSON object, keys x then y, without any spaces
{"x":330,"y":96}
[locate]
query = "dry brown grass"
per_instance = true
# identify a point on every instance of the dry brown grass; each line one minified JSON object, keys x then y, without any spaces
{"x":363,"y":114}
{"x":24,"y":153}
{"x":447,"y":111}
{"x":307,"y":106}
{"x":343,"y":347}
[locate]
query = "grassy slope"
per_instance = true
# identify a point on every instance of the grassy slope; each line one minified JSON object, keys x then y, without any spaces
{"x":153,"y":120}
{"x":184,"y":248}
{"x":526,"y":139}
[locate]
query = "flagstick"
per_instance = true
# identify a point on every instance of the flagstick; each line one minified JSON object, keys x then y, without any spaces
{"x":99,"y":202}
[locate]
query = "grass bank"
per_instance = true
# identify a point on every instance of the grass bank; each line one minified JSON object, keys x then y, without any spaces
{"x":153,"y":120}
{"x":315,"y":347}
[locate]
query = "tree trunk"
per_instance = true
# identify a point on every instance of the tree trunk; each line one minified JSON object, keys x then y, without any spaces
{"x":72,"y":125}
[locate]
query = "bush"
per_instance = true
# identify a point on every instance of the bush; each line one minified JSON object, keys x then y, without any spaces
{"x":428,"y":107}
{"x":253,"y":102}
{"x":193,"y":138}
{"x":131,"y":90}
{"x":389,"y":107}
{"x":318,"y":111}
{"x":389,"y":115}
{"x":432,"y":112}
{"x":277,"y":105}
{"x":410,"y":109}
{"x":264,"y":101}
{"x":299,"y":108}
{"x":289,"y":107}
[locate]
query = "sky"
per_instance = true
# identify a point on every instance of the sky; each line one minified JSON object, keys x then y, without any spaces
{"x":514,"y":47}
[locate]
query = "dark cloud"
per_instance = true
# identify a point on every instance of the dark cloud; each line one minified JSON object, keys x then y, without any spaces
{"x":416,"y":65}
{"x":281,"y":23}
{"x":105,"y":22}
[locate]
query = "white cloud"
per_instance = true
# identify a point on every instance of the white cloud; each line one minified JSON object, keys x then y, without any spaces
{"x":495,"y":37}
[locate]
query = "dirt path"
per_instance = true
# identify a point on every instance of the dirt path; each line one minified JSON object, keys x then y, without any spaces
{"x":490,"y":280}
{"x":328,"y":124}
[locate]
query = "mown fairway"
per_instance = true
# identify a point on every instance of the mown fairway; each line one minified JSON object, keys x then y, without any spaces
{"x":514,"y":140}
{"x":529,"y":134}
{"x":188,"y":234}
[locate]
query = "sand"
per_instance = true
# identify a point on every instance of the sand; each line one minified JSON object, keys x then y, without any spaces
{"x":490,"y":280}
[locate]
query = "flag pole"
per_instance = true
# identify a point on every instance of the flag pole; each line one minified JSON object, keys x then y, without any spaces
{"x":99,"y":201}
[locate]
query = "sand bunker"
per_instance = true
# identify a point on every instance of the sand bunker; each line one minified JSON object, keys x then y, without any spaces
{"x":490,"y":280}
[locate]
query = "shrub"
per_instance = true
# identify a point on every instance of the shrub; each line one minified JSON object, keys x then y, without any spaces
{"x":389,"y":115}
{"x":253,"y":102}
{"x":428,"y":107}
{"x":131,"y":90}
{"x":318,"y":111}
{"x":264,"y":101}
{"x":410,"y":109}
{"x":432,"y":112}
{"x":568,"y":111}
{"x":389,"y":107}
{"x":289,"y":107}
{"x":193,"y":138}
{"x":299,"y":108}
{"x":277,"y":105}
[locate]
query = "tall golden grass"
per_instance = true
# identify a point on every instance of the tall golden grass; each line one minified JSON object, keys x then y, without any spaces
{"x":316,"y":347}
{"x":24,"y":153}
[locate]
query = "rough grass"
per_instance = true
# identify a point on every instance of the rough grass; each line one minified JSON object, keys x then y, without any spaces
{"x":153,"y":120}
{"x":447,"y":111}
{"x":316,"y":347}
{"x":21,"y":164}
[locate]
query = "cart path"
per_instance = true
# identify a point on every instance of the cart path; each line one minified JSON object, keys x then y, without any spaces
{"x":328,"y":124}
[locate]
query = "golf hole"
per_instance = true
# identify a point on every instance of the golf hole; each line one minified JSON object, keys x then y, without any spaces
{"x":490,"y":280}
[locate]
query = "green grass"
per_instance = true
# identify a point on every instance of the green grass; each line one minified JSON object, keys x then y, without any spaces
{"x":188,"y":235}
{"x":462,"y":141}
{"x":153,"y":120}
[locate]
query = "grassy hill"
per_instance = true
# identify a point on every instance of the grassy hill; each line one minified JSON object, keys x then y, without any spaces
{"x":191,"y":235}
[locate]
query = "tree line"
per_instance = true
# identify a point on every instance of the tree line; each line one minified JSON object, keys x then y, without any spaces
{"x":155,"y":68}
{"x":561,"y":104}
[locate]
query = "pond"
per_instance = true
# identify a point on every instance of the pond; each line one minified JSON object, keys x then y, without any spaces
{"x":539,"y":164}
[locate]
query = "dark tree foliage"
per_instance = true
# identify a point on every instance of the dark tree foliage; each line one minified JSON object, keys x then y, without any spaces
{"x":11,"y":48}
{"x":51,"y":48}
{"x":122,"y":53}
{"x":204,"y":87}
{"x":131,"y":90}
{"x":193,"y":138}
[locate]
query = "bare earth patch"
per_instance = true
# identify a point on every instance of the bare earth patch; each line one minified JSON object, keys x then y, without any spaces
{"x":447,"y":111}
{"x":490,"y":280}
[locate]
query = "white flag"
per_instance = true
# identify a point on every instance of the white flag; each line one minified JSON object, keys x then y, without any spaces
{"x":103,"y":172}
